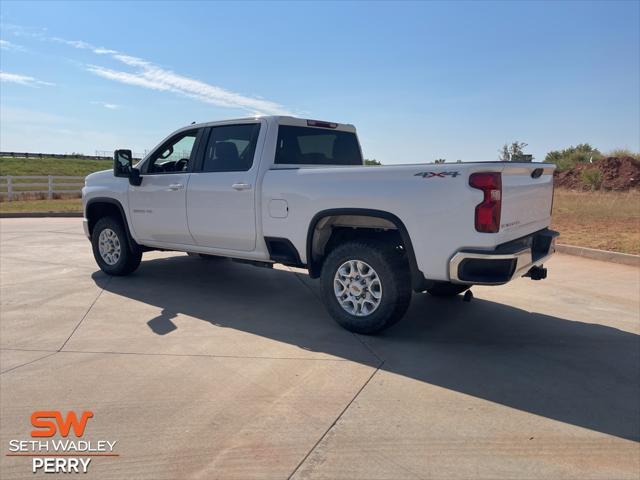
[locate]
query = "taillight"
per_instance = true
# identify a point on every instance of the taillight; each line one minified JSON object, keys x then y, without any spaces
{"x":488,"y":212}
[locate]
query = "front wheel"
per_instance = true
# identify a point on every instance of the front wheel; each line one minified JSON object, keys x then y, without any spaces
{"x":366,"y":285}
{"x":111,"y":249}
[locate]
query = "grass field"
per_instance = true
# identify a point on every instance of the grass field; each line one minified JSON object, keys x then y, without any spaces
{"x":52,"y":166}
{"x":63,"y":205}
{"x":604,"y":220}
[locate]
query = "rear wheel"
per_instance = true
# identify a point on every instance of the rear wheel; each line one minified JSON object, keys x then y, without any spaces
{"x":111,"y":249}
{"x":366,"y":285}
{"x":446,"y":289}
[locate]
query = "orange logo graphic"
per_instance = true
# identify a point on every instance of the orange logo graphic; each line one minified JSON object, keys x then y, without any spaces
{"x":48,"y":428}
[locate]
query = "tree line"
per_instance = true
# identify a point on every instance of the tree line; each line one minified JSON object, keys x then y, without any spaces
{"x":564,"y":159}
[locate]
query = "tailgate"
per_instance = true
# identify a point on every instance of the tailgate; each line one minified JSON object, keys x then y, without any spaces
{"x":527,"y":196}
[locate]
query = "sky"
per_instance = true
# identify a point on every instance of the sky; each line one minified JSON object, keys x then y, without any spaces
{"x":419,"y":80}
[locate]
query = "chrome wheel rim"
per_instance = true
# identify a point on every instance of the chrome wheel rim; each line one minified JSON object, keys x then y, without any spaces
{"x":357,"y":288}
{"x":109,"y":246}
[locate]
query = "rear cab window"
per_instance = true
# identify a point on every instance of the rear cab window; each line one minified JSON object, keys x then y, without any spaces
{"x":316,"y":146}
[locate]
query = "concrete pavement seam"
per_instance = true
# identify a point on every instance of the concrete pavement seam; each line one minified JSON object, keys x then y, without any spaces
{"x":85,"y":314}
{"x":30,"y":260}
{"x":204,"y":355}
{"x":27,"y":349}
{"x":366,"y":347}
{"x":335,"y":421}
{"x":28,"y":363}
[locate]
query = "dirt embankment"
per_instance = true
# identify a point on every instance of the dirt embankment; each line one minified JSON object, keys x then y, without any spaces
{"x":618,"y":173}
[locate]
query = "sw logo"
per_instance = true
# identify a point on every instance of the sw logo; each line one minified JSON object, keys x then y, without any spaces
{"x":48,"y":428}
{"x":453,"y":174}
{"x":60,"y":455}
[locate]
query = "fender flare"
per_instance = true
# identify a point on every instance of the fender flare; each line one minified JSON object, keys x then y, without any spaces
{"x":132,"y":242}
{"x":418,"y":281}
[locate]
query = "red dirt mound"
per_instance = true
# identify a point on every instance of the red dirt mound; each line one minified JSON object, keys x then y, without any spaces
{"x":618,"y":173}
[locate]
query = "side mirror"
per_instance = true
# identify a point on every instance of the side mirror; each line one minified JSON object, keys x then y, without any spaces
{"x":122,"y":163}
{"x":135,"y":178}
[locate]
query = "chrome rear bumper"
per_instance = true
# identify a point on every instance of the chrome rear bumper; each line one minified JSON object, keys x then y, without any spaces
{"x":508,"y":261}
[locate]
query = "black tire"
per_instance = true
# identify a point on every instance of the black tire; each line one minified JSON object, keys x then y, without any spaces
{"x":446,"y":289}
{"x":392,"y":268}
{"x":130,"y":255}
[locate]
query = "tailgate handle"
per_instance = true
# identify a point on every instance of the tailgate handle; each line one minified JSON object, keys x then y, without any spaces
{"x":537,"y":173}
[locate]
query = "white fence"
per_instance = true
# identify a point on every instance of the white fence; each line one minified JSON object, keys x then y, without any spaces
{"x":13,"y":187}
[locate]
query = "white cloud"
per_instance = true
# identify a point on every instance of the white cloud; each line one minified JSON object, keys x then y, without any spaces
{"x":103,"y":51}
{"x":125,"y":77}
{"x":110,"y":106}
{"x":154,"y":77}
{"x":131,"y":61}
{"x":22,"y":31}
{"x":146,"y":74}
{"x":74,"y":43}
{"x":151,"y":76}
{"x":23,"y":80}
{"x":84,"y":46}
{"x":7,"y":45}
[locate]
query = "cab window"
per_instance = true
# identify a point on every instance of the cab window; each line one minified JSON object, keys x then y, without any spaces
{"x":231,"y":148}
{"x":175,"y":155}
{"x":316,"y":146}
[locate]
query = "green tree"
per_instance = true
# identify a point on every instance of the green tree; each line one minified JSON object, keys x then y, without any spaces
{"x":511,"y":152}
{"x":440,"y":160}
{"x":567,"y":158}
{"x":371,"y":161}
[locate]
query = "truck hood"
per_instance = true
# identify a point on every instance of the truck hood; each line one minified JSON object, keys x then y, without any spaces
{"x":98,"y":177}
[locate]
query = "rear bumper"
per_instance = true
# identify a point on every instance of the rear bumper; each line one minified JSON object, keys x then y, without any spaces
{"x":506,"y":262}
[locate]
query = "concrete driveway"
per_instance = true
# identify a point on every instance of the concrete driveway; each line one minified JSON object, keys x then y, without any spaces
{"x":213,"y":369}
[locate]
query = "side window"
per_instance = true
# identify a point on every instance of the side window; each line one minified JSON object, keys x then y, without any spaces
{"x":231,"y":148}
{"x":175,"y":155}
{"x":316,"y":146}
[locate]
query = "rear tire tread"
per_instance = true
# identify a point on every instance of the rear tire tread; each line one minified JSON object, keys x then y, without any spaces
{"x":391,"y":266}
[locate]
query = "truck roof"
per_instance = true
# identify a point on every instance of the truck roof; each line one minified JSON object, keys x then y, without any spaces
{"x":281,"y":120}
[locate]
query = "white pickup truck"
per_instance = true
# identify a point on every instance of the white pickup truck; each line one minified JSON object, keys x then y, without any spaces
{"x":285,"y":190}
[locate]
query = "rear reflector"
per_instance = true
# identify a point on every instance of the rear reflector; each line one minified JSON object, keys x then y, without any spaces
{"x":318,"y":123}
{"x":488,"y":212}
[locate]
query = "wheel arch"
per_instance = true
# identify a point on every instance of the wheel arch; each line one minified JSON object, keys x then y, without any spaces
{"x":100,"y":207}
{"x":314,"y":262}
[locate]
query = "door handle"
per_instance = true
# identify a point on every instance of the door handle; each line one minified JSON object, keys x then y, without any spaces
{"x":175,"y":186}
{"x":241,"y":186}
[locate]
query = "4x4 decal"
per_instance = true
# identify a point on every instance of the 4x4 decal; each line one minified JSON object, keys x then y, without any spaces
{"x":453,"y":174}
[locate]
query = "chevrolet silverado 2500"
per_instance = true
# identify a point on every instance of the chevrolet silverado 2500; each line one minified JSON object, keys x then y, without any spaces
{"x":286,"y":190}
